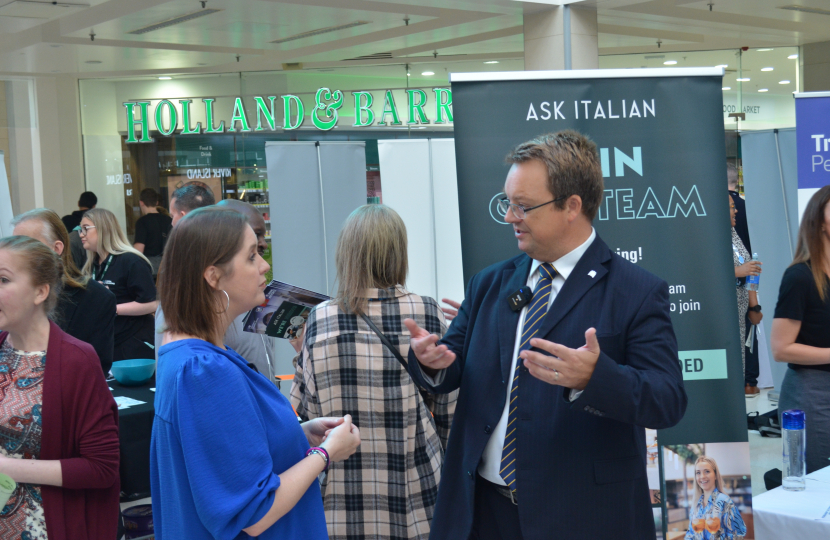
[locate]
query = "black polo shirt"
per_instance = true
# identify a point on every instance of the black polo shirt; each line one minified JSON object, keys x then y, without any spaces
{"x":130,"y":278}
{"x":152,"y":230}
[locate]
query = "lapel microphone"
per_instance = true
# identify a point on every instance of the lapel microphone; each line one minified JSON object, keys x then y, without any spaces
{"x":519,"y":299}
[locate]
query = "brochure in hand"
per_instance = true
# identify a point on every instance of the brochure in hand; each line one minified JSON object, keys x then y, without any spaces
{"x":284,"y":312}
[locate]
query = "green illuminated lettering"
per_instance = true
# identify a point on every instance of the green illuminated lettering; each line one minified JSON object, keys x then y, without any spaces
{"x":239,"y":116}
{"x":171,"y":111}
{"x":185,"y":103}
{"x":209,"y":118}
{"x":417,"y":106}
{"x":389,"y":108}
{"x":442,"y":106}
{"x":286,"y":100}
{"x":359,"y":109}
{"x":267,"y":112}
{"x":143,"y":121}
{"x":324,"y":94}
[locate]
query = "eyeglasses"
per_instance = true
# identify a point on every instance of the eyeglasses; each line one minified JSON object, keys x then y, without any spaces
{"x":83,"y":230}
{"x":520,"y":211}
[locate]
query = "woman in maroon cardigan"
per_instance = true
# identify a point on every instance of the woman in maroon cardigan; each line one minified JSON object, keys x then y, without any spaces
{"x":58,"y":420}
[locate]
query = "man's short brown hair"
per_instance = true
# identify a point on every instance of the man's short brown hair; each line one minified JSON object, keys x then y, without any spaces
{"x":573,"y":167}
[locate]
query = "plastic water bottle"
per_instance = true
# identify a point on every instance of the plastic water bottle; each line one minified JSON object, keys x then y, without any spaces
{"x":794,"y":438}
{"x":752,"y":282}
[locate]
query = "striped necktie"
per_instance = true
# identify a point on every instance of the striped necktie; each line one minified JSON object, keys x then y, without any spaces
{"x":535,"y":313}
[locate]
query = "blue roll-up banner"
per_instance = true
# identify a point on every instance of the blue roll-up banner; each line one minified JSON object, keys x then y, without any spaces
{"x":812,"y":133}
{"x":660,"y":136}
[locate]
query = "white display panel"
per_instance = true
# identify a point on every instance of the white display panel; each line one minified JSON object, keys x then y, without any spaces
{"x":419,"y":182}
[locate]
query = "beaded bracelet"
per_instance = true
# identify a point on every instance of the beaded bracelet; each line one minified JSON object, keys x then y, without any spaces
{"x":319,"y":451}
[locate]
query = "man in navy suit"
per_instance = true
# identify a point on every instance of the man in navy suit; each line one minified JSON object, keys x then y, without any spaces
{"x":548,"y":439}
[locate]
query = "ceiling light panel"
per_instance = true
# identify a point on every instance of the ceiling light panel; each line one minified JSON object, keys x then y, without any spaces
{"x":321,"y":31}
{"x":174,"y":21}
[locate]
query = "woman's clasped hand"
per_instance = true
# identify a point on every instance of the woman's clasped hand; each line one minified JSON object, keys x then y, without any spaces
{"x":337,"y":436}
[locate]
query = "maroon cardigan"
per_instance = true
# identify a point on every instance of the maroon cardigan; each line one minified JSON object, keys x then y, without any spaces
{"x":80,"y":428}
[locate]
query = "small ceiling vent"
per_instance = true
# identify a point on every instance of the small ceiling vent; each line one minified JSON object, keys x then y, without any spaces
{"x":320,"y":31}
{"x":804,"y":9}
{"x":376,"y":56}
{"x":174,"y":21}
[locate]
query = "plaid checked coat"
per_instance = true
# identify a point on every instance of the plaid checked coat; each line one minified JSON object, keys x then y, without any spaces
{"x":387,"y":490}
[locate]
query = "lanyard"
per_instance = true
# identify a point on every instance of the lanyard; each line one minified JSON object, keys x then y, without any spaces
{"x":107,"y":267}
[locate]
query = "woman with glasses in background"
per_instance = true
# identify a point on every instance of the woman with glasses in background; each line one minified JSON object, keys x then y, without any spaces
{"x":58,"y":420}
{"x":86,"y":309}
{"x":118,"y":266}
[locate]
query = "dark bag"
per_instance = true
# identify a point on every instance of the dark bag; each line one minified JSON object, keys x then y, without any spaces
{"x":766,"y":424}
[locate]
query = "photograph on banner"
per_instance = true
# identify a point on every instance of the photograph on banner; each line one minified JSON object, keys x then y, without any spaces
{"x":660,"y":143}
{"x":708,"y":491}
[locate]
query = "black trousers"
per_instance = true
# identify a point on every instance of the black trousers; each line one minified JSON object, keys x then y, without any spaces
{"x":134,"y":347}
{"x":495,"y":516}
{"x":752,"y":369}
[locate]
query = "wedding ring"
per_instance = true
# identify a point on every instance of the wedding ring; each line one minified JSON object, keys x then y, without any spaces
{"x":556,"y":374}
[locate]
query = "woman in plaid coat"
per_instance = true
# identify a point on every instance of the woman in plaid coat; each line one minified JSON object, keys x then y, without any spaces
{"x":387,"y":490}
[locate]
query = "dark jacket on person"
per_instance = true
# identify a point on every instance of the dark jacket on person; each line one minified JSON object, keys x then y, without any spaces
{"x":581,"y":464}
{"x":72,"y":220}
{"x":89,"y":315}
{"x":80,"y":428}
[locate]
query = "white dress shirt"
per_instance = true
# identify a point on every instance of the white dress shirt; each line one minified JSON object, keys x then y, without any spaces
{"x":491,"y":460}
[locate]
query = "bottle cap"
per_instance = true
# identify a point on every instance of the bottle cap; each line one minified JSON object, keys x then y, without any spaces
{"x":792,"y":419}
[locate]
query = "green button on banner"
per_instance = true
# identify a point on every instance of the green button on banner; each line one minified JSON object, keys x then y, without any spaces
{"x":703,"y":365}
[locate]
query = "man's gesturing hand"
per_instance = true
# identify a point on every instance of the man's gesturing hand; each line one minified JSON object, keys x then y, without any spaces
{"x":574,"y":366}
{"x":423,"y":345}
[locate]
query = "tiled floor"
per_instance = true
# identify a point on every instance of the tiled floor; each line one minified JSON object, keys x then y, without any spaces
{"x":765,"y":452}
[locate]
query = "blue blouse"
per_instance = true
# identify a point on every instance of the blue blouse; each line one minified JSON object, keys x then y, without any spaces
{"x":222,"y":434}
{"x":732,"y":525}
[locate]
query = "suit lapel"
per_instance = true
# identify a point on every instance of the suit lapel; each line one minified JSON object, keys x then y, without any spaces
{"x":577,"y":284}
{"x":511,"y":279}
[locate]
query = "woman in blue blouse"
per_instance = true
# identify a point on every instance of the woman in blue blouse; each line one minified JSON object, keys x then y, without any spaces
{"x":228,"y":458}
{"x":714,"y":515}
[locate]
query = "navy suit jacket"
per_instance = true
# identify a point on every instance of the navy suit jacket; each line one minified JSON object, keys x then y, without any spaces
{"x":581,"y":465}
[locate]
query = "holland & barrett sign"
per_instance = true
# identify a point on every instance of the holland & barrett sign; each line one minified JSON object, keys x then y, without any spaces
{"x":286,"y":112}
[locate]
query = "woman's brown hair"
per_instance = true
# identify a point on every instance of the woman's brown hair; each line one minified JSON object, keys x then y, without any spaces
{"x":42,"y":264}
{"x":55,"y":231}
{"x":811,"y":240}
{"x":371,"y":253}
{"x":203,"y":238}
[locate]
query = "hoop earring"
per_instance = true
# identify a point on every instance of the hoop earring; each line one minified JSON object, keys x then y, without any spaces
{"x":229,"y":301}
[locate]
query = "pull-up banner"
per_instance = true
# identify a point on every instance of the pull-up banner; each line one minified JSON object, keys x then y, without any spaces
{"x":660,"y":138}
{"x":813,"y":139}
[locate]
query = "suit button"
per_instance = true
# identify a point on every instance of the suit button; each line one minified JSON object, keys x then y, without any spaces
{"x":488,"y":430}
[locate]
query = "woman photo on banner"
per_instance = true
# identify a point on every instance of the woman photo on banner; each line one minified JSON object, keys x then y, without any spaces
{"x":800,"y":335}
{"x":714,"y":515}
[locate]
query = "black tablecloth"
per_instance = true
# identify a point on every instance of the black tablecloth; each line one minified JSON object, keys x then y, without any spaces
{"x":135,"y":427}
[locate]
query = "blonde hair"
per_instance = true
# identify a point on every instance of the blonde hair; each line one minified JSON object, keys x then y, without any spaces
{"x":371,"y":253}
{"x":54,"y":231}
{"x":718,"y":479}
{"x":111,"y":237}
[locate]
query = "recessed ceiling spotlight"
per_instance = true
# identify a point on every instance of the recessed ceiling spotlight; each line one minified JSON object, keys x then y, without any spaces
{"x":743,"y":79}
{"x":783,"y":82}
{"x":669,"y":62}
{"x":792,"y":57}
{"x":762,"y":50}
{"x":726,"y":88}
{"x":767,"y":69}
{"x":55,"y":45}
{"x":201,"y":64}
{"x":724,"y":66}
{"x":492,"y":62}
{"x":427,"y":73}
{"x":763,"y":89}
{"x":165,"y":78}
{"x":93,"y":62}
